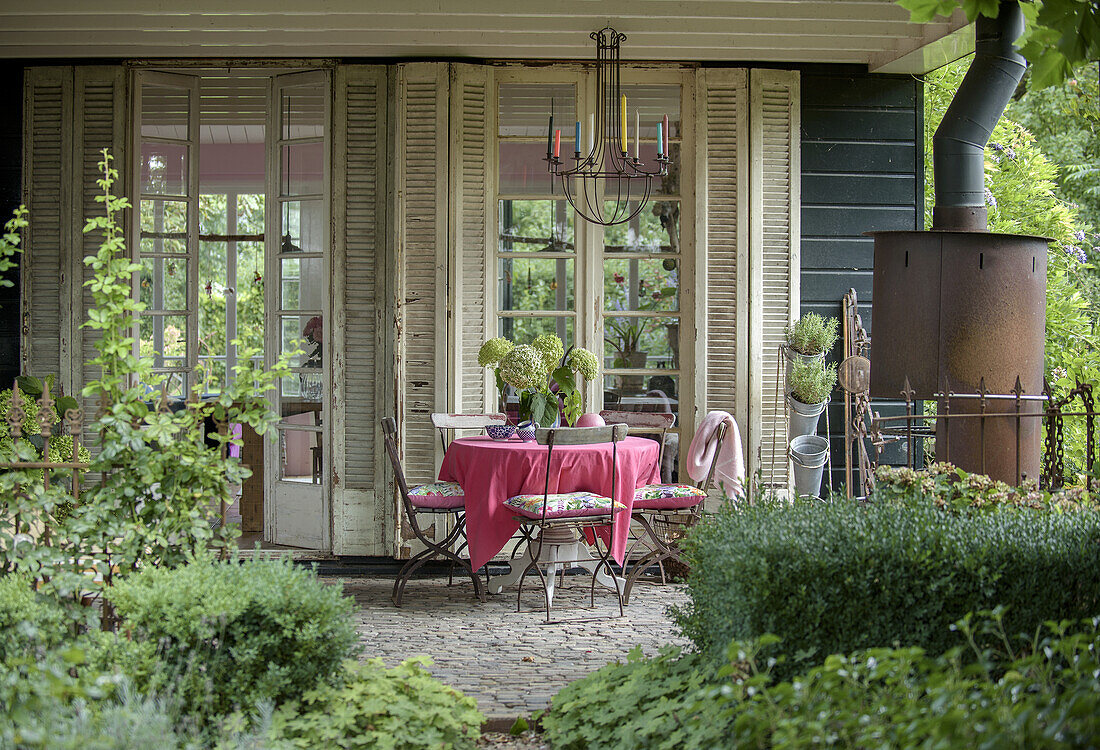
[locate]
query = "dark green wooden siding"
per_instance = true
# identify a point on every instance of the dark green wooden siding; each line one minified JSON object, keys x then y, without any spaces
{"x":862,"y":170}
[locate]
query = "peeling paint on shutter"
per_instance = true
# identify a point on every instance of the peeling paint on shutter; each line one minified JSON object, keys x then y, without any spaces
{"x":422,"y":158}
{"x":470,"y":115}
{"x":363,"y":519}
{"x":47,"y":183}
{"x":723,"y":146}
{"x":774,"y":263}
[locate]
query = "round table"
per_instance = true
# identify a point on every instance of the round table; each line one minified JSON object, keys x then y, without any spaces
{"x":491,"y":471}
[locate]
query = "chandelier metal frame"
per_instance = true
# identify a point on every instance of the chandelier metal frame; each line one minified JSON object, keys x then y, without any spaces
{"x":626,"y":179}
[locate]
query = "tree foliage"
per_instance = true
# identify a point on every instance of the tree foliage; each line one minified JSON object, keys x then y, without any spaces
{"x":1060,"y":34}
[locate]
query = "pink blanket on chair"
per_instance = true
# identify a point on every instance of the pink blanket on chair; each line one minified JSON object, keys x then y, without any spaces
{"x":729,"y":469}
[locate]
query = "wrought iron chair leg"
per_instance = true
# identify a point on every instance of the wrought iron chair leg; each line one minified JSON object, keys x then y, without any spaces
{"x":406,"y":572}
{"x":654,"y":557}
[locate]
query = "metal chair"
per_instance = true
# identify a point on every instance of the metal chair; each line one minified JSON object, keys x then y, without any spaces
{"x":651,"y":424}
{"x":666,"y":512}
{"x":447,"y":424}
{"x":437,"y":498}
{"x":554,"y":519}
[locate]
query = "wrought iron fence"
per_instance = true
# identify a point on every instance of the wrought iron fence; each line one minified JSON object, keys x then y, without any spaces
{"x":875,"y":432}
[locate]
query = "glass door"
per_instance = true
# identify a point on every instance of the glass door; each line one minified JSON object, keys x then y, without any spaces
{"x":297,"y":304}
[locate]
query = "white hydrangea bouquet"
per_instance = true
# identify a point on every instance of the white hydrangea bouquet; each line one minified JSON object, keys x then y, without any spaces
{"x":534,"y":370}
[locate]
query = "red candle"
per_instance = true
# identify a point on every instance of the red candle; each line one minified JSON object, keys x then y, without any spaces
{"x":557,"y":143}
{"x":665,"y":121}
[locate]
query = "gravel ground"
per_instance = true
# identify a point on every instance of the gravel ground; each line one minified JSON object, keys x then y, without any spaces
{"x":511,"y":662}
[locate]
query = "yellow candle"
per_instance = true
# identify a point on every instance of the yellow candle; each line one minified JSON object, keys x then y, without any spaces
{"x":622,"y":119}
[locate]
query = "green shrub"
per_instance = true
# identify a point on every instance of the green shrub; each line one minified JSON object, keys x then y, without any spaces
{"x":641,"y":703}
{"x":29,"y":622}
{"x":374,"y":707}
{"x":835,"y":577}
{"x":1042,"y":693}
{"x":812,"y":334}
{"x":231,"y":635}
{"x":811,"y":382}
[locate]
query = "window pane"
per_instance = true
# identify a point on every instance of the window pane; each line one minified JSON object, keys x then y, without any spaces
{"x":653,"y":102}
{"x":250,"y":294}
{"x":302,"y":283}
{"x":524,"y":330}
{"x":250,"y":214}
{"x":302,"y":227}
{"x":300,"y":452}
{"x":164,"y":219}
{"x":300,"y":393}
{"x":303,"y":112}
{"x":304,"y":333}
{"x":522,"y":168}
{"x":524,"y":109}
{"x":164,"y":168}
{"x":164,"y":112}
{"x":302,"y":168}
{"x":528,"y":283}
{"x":656,"y":229}
{"x":164,"y":338}
{"x":654,"y":393}
{"x":645,"y":284}
{"x":641,"y":342}
{"x":531,"y":226}
{"x":163,"y":283}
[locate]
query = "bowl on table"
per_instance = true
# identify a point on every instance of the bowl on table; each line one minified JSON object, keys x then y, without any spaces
{"x":500,"y":431}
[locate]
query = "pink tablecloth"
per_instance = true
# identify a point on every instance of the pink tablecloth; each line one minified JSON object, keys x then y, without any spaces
{"x":492,"y":471}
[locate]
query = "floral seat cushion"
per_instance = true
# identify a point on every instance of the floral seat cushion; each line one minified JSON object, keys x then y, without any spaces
{"x":667,"y":496}
{"x":565,"y":504}
{"x":437,"y":495}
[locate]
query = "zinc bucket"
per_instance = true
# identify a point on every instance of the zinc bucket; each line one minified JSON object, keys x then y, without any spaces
{"x":809,"y":454}
{"x":804,"y":417}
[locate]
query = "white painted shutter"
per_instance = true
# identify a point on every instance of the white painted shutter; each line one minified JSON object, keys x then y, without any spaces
{"x":471,"y":124}
{"x":363,"y":516}
{"x":47,"y":193}
{"x":100,"y":105}
{"x":422,"y":158}
{"x":723,"y":146}
{"x":774,"y":261}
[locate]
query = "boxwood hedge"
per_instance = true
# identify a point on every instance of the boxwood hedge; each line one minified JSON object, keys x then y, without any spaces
{"x":839,"y":576}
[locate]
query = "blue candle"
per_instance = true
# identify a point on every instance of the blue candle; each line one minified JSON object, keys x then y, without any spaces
{"x":660,"y":141}
{"x":577,"y":138}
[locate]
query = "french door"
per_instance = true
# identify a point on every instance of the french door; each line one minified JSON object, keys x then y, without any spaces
{"x":232,"y":226}
{"x":297,"y":304}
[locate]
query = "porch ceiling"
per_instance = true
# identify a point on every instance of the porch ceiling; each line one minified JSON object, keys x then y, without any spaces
{"x":872,"y":32}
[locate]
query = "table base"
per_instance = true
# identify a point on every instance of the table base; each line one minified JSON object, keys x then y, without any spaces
{"x":558,"y":544}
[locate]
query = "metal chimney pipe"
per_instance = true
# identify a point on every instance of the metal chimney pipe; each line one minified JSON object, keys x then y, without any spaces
{"x":958,"y":147}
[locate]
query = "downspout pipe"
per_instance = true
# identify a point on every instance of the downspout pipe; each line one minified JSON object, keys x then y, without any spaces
{"x":958,"y":147}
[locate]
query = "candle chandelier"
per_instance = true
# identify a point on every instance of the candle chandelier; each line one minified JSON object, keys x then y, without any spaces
{"x":606,"y":185}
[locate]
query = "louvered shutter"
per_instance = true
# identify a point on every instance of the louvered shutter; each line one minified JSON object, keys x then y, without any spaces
{"x":100,"y":104}
{"x":422,"y":158}
{"x":363,"y":517}
{"x":774,"y":260}
{"x":471,"y":115}
{"x":723,"y":143}
{"x":47,"y":253}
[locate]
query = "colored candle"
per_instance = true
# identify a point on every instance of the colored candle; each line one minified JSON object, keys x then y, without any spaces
{"x":660,"y":142}
{"x":549,"y":133}
{"x":665,"y":150}
{"x":622,"y":120}
{"x":637,"y":134}
{"x":577,"y":138}
{"x":557,"y":143}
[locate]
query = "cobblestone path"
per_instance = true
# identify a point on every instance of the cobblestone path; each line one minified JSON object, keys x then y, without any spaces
{"x":512,"y":663}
